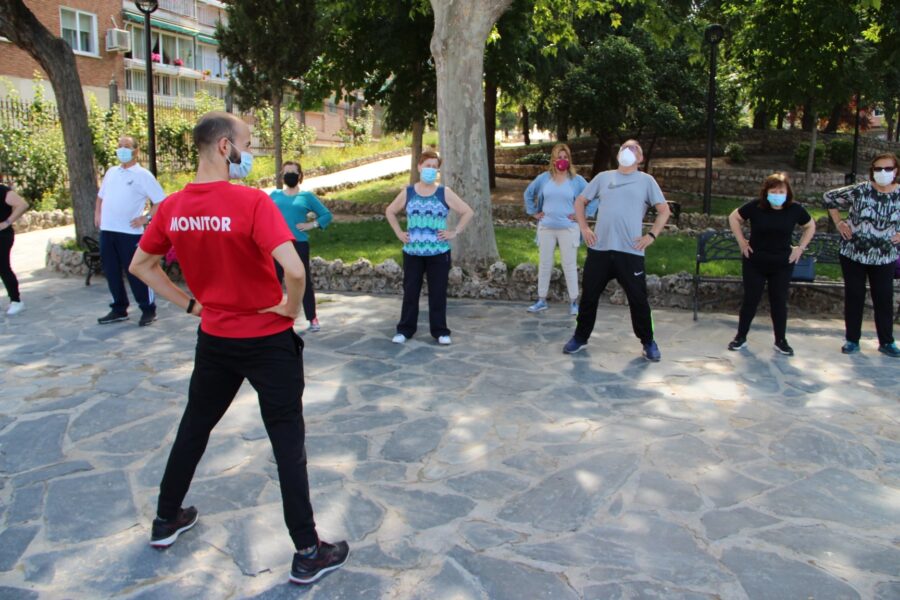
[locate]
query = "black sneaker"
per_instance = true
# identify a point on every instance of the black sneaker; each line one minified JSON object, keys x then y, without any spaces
{"x":147,"y":318}
{"x":165,"y":532}
{"x":328,"y":558}
{"x":112,"y":317}
{"x":782,"y":346}
{"x":737,"y":343}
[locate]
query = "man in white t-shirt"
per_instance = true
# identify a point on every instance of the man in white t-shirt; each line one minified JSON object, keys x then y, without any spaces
{"x":120,"y":215}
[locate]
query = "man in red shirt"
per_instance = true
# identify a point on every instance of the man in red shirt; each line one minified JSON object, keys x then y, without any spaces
{"x":225,"y":236}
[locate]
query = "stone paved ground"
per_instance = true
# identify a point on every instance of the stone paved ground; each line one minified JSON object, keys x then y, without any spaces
{"x":496,"y":468}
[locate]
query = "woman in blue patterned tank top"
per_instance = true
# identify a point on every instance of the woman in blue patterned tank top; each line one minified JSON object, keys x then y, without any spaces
{"x":426,"y":247}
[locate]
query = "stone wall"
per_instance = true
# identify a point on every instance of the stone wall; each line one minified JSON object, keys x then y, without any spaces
{"x":34,"y":220}
{"x":518,"y":285}
{"x":739,"y":181}
{"x":755,"y":141}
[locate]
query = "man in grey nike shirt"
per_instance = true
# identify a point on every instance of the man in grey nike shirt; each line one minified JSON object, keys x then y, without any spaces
{"x":616,"y":245}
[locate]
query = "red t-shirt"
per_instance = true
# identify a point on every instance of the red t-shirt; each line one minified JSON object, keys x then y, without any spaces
{"x":224,"y":235}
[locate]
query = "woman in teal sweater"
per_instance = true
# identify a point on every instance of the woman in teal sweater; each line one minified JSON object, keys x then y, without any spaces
{"x":295,"y":206}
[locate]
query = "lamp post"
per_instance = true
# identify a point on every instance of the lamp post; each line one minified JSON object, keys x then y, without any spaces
{"x":147,"y":7}
{"x":714,"y":34}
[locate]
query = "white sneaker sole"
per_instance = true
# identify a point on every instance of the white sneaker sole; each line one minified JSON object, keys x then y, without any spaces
{"x":320,"y":574}
{"x":537,"y":310}
{"x":166,"y":542}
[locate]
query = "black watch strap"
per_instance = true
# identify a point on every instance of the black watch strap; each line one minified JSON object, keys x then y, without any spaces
{"x":190,"y":306}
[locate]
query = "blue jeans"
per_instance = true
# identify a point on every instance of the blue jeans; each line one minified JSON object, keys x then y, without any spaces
{"x":116,"y":251}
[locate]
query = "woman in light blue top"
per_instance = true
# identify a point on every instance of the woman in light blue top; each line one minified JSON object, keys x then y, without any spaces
{"x":295,"y":207}
{"x":551,"y":200}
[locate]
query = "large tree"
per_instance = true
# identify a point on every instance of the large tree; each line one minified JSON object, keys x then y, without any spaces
{"x":21,"y":27}
{"x":393,"y":68}
{"x":461,"y":28}
{"x":270,"y":46}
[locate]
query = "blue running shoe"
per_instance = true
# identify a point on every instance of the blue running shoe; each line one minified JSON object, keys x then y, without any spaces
{"x":573,"y":346}
{"x":850,"y":347}
{"x":890,"y":349}
{"x":651,"y":352}
{"x":538,"y":306}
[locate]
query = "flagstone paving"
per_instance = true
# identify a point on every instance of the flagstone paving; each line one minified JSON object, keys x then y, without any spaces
{"x":494,"y":468}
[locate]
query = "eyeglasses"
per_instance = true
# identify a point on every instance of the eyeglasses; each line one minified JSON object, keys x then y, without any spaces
{"x":883,"y":169}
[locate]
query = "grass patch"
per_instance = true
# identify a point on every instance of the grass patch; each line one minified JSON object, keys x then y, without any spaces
{"x":375,"y":241}
{"x":380,"y":191}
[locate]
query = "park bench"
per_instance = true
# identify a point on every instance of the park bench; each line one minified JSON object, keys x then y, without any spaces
{"x":720,"y":245}
{"x":91,"y":258}
{"x":675,"y":208}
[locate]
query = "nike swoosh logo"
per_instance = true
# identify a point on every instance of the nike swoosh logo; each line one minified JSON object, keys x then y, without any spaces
{"x":613,"y":186}
{"x":638,"y":273}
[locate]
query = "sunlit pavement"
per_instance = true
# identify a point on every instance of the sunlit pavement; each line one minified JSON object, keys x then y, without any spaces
{"x":493,"y":468}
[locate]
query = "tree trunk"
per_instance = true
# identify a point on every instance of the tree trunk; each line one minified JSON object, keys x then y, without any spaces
{"x":779,"y":121}
{"x":648,"y":153}
{"x":276,"y":135}
{"x":835,"y":119}
{"x":562,"y":128}
{"x":807,"y":122}
{"x":760,"y":118}
{"x":418,"y":130}
{"x":490,"y":126}
{"x":20,"y":26}
{"x":526,"y":126}
{"x":811,"y":160}
{"x":602,"y":154}
{"x":461,"y":28}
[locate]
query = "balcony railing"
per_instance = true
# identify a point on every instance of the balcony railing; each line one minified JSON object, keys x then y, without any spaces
{"x":186,"y":8}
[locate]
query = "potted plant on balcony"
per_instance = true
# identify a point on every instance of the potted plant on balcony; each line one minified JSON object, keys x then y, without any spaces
{"x":155,"y":57}
{"x":178,"y":62}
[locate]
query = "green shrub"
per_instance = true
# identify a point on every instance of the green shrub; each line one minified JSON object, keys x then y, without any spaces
{"x":33,"y":154}
{"x":535,"y":158}
{"x":735,"y":153}
{"x":840,"y":151}
{"x":801,"y":155}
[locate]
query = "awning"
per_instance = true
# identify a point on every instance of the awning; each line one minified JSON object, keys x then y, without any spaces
{"x":207,"y":40}
{"x":139,"y":19}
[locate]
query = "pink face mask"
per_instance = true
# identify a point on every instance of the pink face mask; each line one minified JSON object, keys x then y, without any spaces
{"x":562,"y":164}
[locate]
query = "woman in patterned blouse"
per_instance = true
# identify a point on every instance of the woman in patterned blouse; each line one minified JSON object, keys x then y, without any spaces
{"x":426,"y":247}
{"x":871,"y":233}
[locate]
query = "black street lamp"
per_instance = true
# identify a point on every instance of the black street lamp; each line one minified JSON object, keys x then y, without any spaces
{"x":851,"y":176}
{"x":147,"y":7}
{"x":714,"y":34}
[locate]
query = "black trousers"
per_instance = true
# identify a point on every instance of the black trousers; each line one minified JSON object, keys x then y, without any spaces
{"x":600,"y":268}
{"x":881,"y":287}
{"x":116,"y":251}
{"x":309,"y":296}
{"x":415,"y":268}
{"x":756,"y":275}
{"x":7,"y":239}
{"x":274,"y":366}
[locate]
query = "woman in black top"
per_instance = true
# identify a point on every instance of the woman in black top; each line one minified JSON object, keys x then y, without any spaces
{"x":768,"y":255}
{"x":11,"y":208}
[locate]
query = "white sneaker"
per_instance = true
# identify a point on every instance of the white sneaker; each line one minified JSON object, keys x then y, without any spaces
{"x":399,"y":339}
{"x":15,"y":308}
{"x":444,"y":340}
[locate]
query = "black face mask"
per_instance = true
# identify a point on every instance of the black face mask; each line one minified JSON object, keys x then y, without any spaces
{"x":291,"y":179}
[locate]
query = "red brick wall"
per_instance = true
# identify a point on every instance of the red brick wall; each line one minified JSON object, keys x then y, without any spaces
{"x":95,"y":72}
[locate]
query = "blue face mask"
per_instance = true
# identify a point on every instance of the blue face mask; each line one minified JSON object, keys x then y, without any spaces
{"x":429,"y":174}
{"x":124,"y":155}
{"x":241,"y":169}
{"x":776,"y":199}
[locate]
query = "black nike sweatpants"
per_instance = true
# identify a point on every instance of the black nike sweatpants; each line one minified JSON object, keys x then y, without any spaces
{"x":601,"y":267}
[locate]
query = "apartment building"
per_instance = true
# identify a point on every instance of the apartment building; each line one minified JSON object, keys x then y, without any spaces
{"x":107,"y":37}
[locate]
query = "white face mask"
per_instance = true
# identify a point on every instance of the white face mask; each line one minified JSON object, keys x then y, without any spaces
{"x":627,"y":157}
{"x":882,"y":178}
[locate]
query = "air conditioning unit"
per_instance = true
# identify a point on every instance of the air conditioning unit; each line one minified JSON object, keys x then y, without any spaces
{"x":118,"y":40}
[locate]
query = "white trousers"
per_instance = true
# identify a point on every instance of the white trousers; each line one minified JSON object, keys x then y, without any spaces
{"x":568,"y":241}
